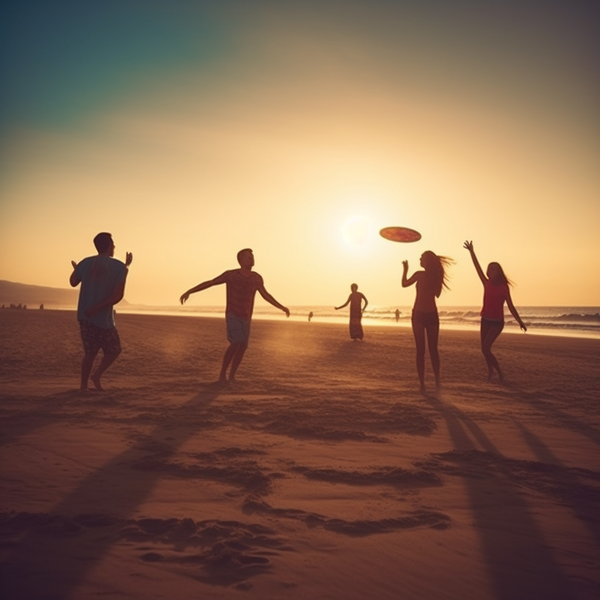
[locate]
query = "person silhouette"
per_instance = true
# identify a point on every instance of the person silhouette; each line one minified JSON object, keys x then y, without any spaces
{"x":496,"y":291}
{"x":355,"y":299}
{"x":102,"y":279}
{"x":425,"y":320}
{"x":241,"y":287}
{"x":397,"y":314}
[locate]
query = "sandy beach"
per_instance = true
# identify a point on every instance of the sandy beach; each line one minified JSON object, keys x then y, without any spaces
{"x":321,"y":473}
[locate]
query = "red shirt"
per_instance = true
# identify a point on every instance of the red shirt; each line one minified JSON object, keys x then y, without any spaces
{"x":494,"y":297}
{"x":240,"y":292}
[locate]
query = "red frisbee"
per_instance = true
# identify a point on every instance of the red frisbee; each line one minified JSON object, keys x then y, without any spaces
{"x":400,"y":234}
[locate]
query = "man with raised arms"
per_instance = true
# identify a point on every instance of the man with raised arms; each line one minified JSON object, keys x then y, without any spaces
{"x":241,"y":287}
{"x":102,"y":279}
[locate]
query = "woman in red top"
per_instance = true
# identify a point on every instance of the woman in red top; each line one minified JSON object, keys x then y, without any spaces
{"x":496,"y":292}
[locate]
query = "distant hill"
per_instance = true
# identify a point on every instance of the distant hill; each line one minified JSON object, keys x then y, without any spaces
{"x":34,"y":295}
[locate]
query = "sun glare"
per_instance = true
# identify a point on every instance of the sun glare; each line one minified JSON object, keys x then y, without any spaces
{"x":356,"y":231}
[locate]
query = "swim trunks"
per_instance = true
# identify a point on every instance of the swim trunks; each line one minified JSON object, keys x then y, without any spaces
{"x":94,"y":338}
{"x":238,"y":330}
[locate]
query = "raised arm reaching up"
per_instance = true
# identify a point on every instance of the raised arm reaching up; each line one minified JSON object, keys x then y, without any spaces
{"x":469,"y":246}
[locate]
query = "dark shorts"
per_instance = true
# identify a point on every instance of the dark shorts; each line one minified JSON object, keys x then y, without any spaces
{"x":426,"y":320}
{"x":94,"y":338}
{"x":238,"y":330}
{"x":488,"y":325}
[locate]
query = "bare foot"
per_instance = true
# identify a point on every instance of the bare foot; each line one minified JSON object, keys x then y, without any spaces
{"x":96,"y":381}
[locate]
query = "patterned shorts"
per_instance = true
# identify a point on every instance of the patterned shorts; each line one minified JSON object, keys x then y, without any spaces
{"x":94,"y":338}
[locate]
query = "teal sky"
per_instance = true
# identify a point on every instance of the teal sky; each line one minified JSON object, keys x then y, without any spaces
{"x":63,"y":60}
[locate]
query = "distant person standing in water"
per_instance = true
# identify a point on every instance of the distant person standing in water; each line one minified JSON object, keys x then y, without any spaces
{"x":241,"y":286}
{"x":102,"y":279}
{"x":425,"y":320}
{"x":355,"y":299}
{"x":496,"y":291}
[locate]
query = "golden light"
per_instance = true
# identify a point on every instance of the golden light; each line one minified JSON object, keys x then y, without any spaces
{"x":356,"y":230}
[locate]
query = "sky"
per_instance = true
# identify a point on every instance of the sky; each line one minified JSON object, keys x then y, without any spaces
{"x":192,"y":129}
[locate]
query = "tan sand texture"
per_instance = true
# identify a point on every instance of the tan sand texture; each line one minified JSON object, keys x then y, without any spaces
{"x":321,"y":473}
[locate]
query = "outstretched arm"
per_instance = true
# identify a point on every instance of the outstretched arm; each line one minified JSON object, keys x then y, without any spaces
{"x":514,"y":313}
{"x":408,"y":281}
{"x":202,"y":286}
{"x":469,"y":246}
{"x":263,"y":292}
{"x":345,"y":303}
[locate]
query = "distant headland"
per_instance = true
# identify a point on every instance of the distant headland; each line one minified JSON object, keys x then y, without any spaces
{"x":34,"y":295}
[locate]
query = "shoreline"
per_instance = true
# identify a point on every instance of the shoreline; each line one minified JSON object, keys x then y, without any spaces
{"x":368,"y":322}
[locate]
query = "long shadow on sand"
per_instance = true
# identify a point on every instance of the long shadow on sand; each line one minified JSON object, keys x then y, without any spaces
{"x":568,"y":485}
{"x":35,"y":567}
{"x":519,"y":561}
{"x":538,"y":400}
{"x":16,"y":423}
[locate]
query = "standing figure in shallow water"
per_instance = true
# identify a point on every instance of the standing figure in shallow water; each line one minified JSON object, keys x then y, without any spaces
{"x":425,"y":320}
{"x":355,"y":299}
{"x":496,"y":291}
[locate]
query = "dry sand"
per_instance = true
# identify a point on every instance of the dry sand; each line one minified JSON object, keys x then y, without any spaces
{"x":321,"y":474}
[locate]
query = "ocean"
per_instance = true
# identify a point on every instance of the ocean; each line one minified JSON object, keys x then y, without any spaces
{"x":575,"y":321}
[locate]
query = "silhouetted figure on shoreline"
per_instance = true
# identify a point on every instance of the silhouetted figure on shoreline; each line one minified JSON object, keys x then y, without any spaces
{"x":397,"y":315}
{"x":241,"y":287}
{"x":310,"y":316}
{"x":102,"y":279}
{"x":496,"y":291}
{"x":425,"y":319}
{"x":355,"y":299}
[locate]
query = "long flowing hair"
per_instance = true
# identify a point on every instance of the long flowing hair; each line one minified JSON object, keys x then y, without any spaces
{"x":436,"y":268}
{"x":501,"y":274}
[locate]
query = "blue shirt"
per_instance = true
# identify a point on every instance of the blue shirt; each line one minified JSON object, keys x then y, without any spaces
{"x":99,"y":276}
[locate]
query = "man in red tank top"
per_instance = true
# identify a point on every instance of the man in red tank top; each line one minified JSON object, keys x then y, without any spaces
{"x":241,"y":287}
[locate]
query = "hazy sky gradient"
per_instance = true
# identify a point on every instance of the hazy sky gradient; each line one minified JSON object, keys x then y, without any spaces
{"x":192,"y":129}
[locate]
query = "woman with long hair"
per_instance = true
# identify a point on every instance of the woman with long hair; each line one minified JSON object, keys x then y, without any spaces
{"x":425,"y":320}
{"x":496,"y":291}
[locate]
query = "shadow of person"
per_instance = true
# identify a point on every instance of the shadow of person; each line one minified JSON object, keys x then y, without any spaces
{"x":569,"y":485}
{"x":517,"y":555}
{"x":49,"y":561}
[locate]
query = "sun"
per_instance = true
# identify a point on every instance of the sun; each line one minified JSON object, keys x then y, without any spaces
{"x":356,"y":231}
